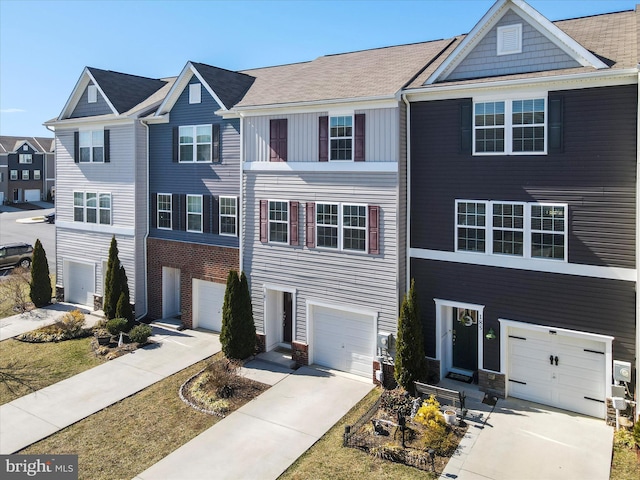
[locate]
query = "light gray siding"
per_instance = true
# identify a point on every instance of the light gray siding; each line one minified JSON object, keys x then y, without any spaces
{"x":85,"y":109}
{"x":538,"y":54}
{"x":381,"y":136}
{"x":359,"y":280}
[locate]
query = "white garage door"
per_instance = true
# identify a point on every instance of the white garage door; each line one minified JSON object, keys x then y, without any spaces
{"x":343,"y":340}
{"x":208,"y":298}
{"x":557,"y":369}
{"x":80,"y":283}
{"x":32,"y":195}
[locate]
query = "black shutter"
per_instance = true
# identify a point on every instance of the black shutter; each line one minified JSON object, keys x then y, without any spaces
{"x":238,"y":219}
{"x":183,"y":211}
{"x":176,"y":140}
{"x":556,"y":143}
{"x":216,"y":143}
{"x":323,"y":139}
{"x":466,"y":128}
{"x":206,"y":214}
{"x":215,"y":213}
{"x":175,"y":211}
{"x":76,"y":147}
{"x":358,"y":138}
{"x":154,"y":210}
{"x":107,"y":149}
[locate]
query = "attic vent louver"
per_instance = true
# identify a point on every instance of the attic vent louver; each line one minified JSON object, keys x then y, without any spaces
{"x":510,"y":39}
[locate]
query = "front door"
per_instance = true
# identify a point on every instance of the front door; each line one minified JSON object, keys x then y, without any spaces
{"x":170,"y":292}
{"x":465,"y":339}
{"x":287,"y":322}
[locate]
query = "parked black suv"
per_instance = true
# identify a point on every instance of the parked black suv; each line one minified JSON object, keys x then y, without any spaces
{"x":15,"y":255}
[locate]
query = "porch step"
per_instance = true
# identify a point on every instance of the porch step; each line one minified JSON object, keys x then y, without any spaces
{"x":278,"y":356}
{"x":168,"y":323}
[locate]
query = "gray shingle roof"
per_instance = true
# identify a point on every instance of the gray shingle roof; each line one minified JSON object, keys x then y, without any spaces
{"x":10,"y":144}
{"x":229,"y":86}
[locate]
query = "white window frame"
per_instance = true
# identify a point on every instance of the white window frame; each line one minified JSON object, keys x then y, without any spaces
{"x":195,"y":93}
{"x":194,"y":144}
{"x":509,"y":32}
{"x":494,"y":228}
{"x":36,"y":175}
{"x":25,"y":158}
{"x":528,"y":231}
{"x":337,"y":226}
{"x":92,"y":94}
{"x":193,"y":214}
{"x":102,"y":209}
{"x":351,"y":137}
{"x":508,"y":122}
{"x":92,"y":145}
{"x":223,"y":214}
{"x":98,"y":208}
{"x":270,"y":221}
{"x":13,"y":175}
{"x":160,"y":210}
{"x":25,"y":175}
{"x":340,"y":227}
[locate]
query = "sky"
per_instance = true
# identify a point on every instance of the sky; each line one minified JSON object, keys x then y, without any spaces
{"x":45,"y":44}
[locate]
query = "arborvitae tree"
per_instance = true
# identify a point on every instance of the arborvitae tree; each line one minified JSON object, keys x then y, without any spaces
{"x":246,"y":327}
{"x":123,"y":309}
{"x":238,"y":335}
{"x":410,"y":363}
{"x":112,"y":283}
{"x":40,"y":281}
{"x":228,"y":311}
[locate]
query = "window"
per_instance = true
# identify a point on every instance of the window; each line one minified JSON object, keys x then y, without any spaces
{"x":341,"y":138}
{"x":92,"y":94}
{"x":327,"y":225}
{"x":341,"y":226}
{"x":354,"y":227}
{"x":278,"y":222}
{"x":36,"y":174}
{"x":25,"y":158}
{"x":509,"y":39}
{"x":528,"y":230}
{"x":510,"y":127}
{"x":92,"y":207}
{"x":195,"y":93}
{"x":164,"y":211}
{"x":195,"y":143}
{"x":25,"y":174}
{"x":228,"y":216}
{"x":91,"y":146}
{"x":13,"y":175}
{"x":194,"y":213}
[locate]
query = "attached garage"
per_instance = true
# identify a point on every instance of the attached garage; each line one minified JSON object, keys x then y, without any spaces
{"x":208,"y":298}
{"x":32,"y":195}
{"x":560,"y":368}
{"x":79,"y":283}
{"x":343,"y":339}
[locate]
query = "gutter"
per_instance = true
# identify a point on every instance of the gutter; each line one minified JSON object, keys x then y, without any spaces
{"x":407,"y":199}
{"x":239,"y":207}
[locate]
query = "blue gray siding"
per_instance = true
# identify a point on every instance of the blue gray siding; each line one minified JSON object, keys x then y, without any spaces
{"x":538,"y":54}
{"x":85,"y":109}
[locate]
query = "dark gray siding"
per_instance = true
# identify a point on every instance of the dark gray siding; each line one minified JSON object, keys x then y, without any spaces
{"x":595,"y":174}
{"x":86,"y":109}
{"x":167,"y":176}
{"x":586,"y":304}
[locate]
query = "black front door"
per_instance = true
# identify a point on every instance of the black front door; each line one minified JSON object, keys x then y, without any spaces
{"x":465,"y":339}
{"x":286,"y":317}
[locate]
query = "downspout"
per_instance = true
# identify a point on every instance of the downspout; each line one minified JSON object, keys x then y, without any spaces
{"x":241,"y":197}
{"x":146,"y":233}
{"x":407,"y":199}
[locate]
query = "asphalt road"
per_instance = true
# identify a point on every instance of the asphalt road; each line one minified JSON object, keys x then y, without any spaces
{"x":11,"y":231}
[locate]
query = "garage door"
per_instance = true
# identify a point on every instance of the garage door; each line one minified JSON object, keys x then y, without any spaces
{"x":557,"y":369}
{"x":343,"y":340}
{"x":32,"y":195}
{"x":80,"y":283}
{"x":208,"y":298}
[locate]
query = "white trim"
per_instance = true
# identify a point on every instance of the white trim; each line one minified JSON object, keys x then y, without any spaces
{"x":170,"y":227}
{"x":187,"y":213}
{"x":529,"y":264}
{"x":315,"y":106}
{"x":98,"y":121}
{"x":340,"y":226}
{"x":266,"y":288}
{"x":335,"y":166}
{"x":195,"y":93}
{"x":95,"y":228}
{"x":502,"y":33}
{"x":288,"y":230}
{"x":26,"y":142}
{"x":195,"y":143}
{"x":92,"y":94}
{"x":220,"y":215}
{"x":350,"y":137}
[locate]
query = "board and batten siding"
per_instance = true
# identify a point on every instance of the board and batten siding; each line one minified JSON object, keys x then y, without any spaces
{"x":381,"y":136}
{"x":594,"y":305}
{"x":595,"y":175}
{"x":85,"y":109}
{"x":361,"y":280}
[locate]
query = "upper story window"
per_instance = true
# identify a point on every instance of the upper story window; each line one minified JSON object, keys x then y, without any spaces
{"x":195,"y":93}
{"x":92,"y":94}
{"x":25,"y":174}
{"x":342,"y":226}
{"x":164,"y":211}
{"x":354,"y":227}
{"x":25,"y":158}
{"x":195,"y":143}
{"x":91,"y":146}
{"x":510,"y":127}
{"x":194,"y":213}
{"x":36,"y":174}
{"x":228,"y":216}
{"x":278,"y":221}
{"x":341,"y":138}
{"x":13,"y":175}
{"x":509,"y":39}
{"x":528,"y":230}
{"x":92,"y":207}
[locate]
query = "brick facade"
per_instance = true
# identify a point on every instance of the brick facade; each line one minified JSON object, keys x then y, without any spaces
{"x":203,"y":262}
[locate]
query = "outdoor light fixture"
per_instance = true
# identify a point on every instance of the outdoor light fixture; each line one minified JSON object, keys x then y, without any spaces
{"x":491,"y":335}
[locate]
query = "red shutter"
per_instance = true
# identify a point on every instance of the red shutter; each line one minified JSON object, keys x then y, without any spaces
{"x":293,"y":223}
{"x":278,"y":140}
{"x":311,"y":224}
{"x":374,"y":229}
{"x":264,"y":221}
{"x":323,"y":139}
{"x":358,"y":154}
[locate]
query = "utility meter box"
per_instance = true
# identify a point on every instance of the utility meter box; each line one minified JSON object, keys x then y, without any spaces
{"x":621,"y":371}
{"x":384,"y":340}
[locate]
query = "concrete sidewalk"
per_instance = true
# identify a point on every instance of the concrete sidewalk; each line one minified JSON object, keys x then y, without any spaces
{"x":40,"y":414}
{"x":264,"y":437}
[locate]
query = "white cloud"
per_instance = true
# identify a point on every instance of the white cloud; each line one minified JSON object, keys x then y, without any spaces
{"x":12,"y":110}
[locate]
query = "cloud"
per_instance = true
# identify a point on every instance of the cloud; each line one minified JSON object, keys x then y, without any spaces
{"x":12,"y":110}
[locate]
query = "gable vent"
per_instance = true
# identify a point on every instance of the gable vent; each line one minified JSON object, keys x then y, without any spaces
{"x":510,"y":39}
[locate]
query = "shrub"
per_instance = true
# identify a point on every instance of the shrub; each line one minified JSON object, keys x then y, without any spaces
{"x":117,"y":325}
{"x":140,"y":333}
{"x":72,"y":322}
{"x":636,"y":433}
{"x":124,"y":310}
{"x":410,"y":363}
{"x":429,"y":414}
{"x":68,"y":327}
{"x":40,"y":285}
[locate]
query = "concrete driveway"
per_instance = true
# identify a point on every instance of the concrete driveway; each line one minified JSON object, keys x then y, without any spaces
{"x":524,"y":440}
